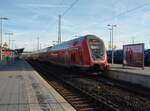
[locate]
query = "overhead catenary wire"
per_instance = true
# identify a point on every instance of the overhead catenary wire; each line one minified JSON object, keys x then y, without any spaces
{"x":62,"y":2}
{"x":59,"y":19}
{"x":69,"y":8}
{"x":109,"y":19}
{"x":133,"y":9}
{"x":128,"y":11}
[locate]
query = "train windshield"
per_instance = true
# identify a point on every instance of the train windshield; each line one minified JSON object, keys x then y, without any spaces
{"x":97,"y":49}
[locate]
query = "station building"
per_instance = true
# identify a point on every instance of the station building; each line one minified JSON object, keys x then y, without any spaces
{"x":9,"y":55}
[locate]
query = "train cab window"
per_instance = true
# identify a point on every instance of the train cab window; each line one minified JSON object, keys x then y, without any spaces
{"x":97,"y":49}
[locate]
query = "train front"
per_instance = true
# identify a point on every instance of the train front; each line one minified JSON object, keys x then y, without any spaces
{"x":98,"y":54}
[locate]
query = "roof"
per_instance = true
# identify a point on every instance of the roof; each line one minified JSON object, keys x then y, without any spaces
{"x":19,"y":50}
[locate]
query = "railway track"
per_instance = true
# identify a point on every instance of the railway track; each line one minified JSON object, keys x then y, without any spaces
{"x":101,"y":90}
{"x":78,"y":99}
{"x":134,"y":88}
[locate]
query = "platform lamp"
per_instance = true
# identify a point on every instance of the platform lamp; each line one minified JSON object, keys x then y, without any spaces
{"x":1,"y":42}
{"x":109,"y":38}
{"x":112,"y":41}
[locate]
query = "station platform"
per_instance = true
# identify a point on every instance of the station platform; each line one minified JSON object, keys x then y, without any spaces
{"x":134,"y":75}
{"x":23,"y":89}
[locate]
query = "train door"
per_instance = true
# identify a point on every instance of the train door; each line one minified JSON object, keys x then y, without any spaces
{"x":73,"y":56}
{"x":66,"y":56}
{"x":80,"y":55}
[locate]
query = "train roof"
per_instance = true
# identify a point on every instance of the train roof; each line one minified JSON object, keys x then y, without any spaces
{"x":42,"y":50}
{"x":71,"y":43}
{"x":67,"y":44}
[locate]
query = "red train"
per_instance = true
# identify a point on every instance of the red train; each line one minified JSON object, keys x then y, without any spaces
{"x":87,"y":53}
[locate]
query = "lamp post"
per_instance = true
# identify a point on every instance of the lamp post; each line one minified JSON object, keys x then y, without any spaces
{"x":1,"y":42}
{"x":112,"y":40}
{"x":9,"y":34}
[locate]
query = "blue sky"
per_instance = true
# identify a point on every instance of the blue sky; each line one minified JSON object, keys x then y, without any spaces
{"x":29,"y":19}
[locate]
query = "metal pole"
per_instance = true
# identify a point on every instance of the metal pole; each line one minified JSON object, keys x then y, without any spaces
{"x":9,"y":41}
{"x":112,"y":47}
{"x":37,"y":43}
{"x":132,"y":40}
{"x":12,"y":43}
{"x":1,"y":41}
{"x":40,"y":46}
{"x":110,"y":38}
{"x":59,"y":29}
{"x":9,"y":34}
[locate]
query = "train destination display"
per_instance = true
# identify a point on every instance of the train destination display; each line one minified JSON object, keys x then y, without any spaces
{"x":133,"y":55}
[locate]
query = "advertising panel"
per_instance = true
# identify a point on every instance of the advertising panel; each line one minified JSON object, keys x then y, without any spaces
{"x":133,"y":55}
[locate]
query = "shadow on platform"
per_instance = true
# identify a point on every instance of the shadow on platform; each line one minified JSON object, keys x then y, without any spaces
{"x":18,"y":65}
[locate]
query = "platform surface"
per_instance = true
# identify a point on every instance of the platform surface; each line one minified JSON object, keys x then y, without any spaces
{"x":134,"y":70}
{"x":23,"y":89}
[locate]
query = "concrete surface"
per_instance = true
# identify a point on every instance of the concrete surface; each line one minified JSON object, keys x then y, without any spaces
{"x":130,"y":74}
{"x":134,"y":70}
{"x":23,"y":89}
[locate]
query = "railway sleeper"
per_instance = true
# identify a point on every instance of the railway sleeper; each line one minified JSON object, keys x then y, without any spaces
{"x":89,"y":109}
{"x":85,"y":105}
{"x":66,"y":92}
{"x":78,"y":99}
{"x":73,"y":97}
{"x":82,"y":102}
